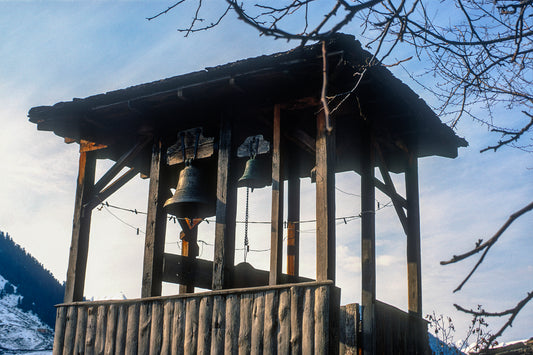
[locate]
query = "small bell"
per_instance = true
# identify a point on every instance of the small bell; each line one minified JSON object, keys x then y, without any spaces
{"x":191,"y":198}
{"x":253,"y":176}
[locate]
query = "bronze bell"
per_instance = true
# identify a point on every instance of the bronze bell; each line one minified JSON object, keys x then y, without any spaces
{"x":191,"y":199}
{"x":253,"y":176}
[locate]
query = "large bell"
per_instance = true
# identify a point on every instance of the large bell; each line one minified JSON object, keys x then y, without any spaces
{"x":253,"y":176}
{"x":191,"y":199}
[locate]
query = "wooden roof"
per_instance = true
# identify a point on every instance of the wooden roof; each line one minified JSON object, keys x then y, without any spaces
{"x":245,"y":91}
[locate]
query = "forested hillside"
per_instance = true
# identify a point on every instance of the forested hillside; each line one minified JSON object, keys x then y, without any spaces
{"x":39,"y":288}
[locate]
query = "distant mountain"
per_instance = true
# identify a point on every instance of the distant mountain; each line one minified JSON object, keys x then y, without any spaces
{"x":21,"y":332}
{"x":39,"y":289}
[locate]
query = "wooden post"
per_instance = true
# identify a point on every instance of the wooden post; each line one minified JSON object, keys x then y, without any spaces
{"x":276,"y":235}
{"x":156,"y":223}
{"x":325,"y":201}
{"x":368,"y":244}
{"x":81,"y":226}
{"x":293,"y":222}
{"x":414,"y":273}
{"x":189,"y":248}
{"x":226,"y":211}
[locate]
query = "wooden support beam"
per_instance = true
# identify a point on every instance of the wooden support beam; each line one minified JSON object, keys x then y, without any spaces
{"x":414,"y":271}
{"x":156,"y":223}
{"x":325,"y":201}
{"x":81,"y":227}
{"x":368,"y":243}
{"x":387,"y":191}
{"x":276,"y":235}
{"x":293,"y":221}
{"x":189,"y":249}
{"x":226,"y":211}
{"x":390,"y":187}
{"x":121,"y":163}
{"x":101,"y":196}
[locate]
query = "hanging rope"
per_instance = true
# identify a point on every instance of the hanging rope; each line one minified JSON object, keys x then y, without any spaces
{"x":246,"y":244}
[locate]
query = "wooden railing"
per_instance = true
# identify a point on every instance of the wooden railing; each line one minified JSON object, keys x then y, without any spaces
{"x":264,"y":320}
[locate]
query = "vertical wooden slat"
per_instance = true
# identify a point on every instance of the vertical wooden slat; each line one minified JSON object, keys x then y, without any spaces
{"x":233,"y":314}
{"x":325,"y":201}
{"x":245,"y":323}
{"x":101,"y":321}
{"x":168,"y":312}
{"x":111,"y":330}
{"x":368,"y":243}
{"x":276,"y":235}
{"x":155,"y":224}
{"x":191,"y":327}
{"x":90,"y":336}
{"x":132,"y":334}
{"x":178,"y":327}
{"x":218,"y":325}
{"x":145,"y":323}
{"x":414,"y":274}
{"x":344,"y":330}
{"x":258,"y":316}
{"x":296,"y":319}
{"x":284,"y":322}
{"x":70,"y":330}
{"x":59,"y":337}
{"x":81,"y":327}
{"x":225,"y":211}
{"x":156,"y":329}
{"x":81,"y":226}
{"x":122,"y":329}
{"x":271,"y":322}
{"x":205,"y":316}
{"x":321,"y":314}
{"x":350,"y":324}
{"x":308,"y":322}
{"x":293,"y":222}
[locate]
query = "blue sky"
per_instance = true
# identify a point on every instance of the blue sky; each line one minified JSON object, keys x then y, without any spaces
{"x":54,"y":51}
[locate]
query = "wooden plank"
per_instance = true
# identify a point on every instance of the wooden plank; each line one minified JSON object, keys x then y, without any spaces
{"x":350,"y":323}
{"x":276,"y":235}
{"x":81,"y":328}
{"x":308,"y":322}
{"x":122,"y":329}
{"x":205,"y":317}
{"x":99,"y":342}
{"x":414,"y":271}
{"x":344,"y":330}
{"x":296,"y":319}
{"x":191,"y":327}
{"x":293,"y":222}
{"x":81,"y":227}
{"x":233,"y":314}
{"x":218,"y":325}
{"x":245,"y":323}
{"x":325,"y":201}
{"x":321,"y":315}
{"x":368,"y":243}
{"x":132,"y":333}
{"x":178,"y":327}
{"x":59,"y":337}
{"x":156,"y":329}
{"x":155,"y":224}
{"x":168,"y":313}
{"x":90,"y":336}
{"x":145,"y":324}
{"x":284,"y":322}
{"x":226,"y":211}
{"x":258,"y":316}
{"x":70,"y":330}
{"x":270,"y":331}
{"x":111,"y":330}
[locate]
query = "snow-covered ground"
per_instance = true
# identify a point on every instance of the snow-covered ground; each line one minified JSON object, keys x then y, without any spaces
{"x":22,"y":332}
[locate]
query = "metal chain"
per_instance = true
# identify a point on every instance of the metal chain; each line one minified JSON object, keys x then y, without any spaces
{"x":246,"y":244}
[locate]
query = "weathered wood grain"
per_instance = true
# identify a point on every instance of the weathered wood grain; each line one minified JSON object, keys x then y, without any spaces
{"x":99,"y":343}
{"x":270,"y":323}
{"x":178,"y":327}
{"x":61,"y":315}
{"x":145,"y":324}
{"x":156,"y":329}
{"x":132,"y":333}
{"x":218,"y":325}
{"x":122,"y":329}
{"x":166,"y":342}
{"x":258,"y":315}
{"x":284,"y":322}
{"x":232,"y":317}
{"x":191,"y":327}
{"x":205,"y":316}
{"x":296,"y":319}
{"x":81,"y":327}
{"x":90,"y":336}
{"x":245,"y":323}
{"x":111,"y":330}
{"x":276,"y":227}
{"x":308,"y":322}
{"x":321,"y":314}
{"x":70,"y":330}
